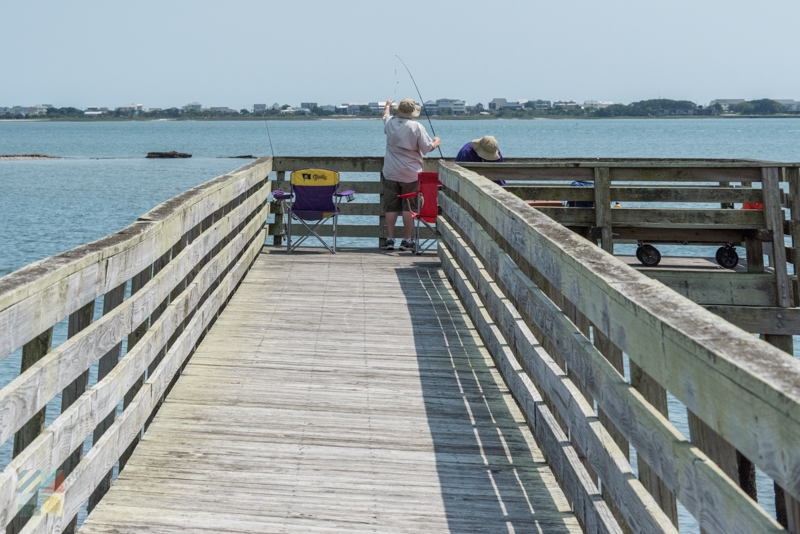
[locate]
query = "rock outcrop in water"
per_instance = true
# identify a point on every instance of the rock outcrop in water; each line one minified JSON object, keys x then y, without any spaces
{"x":167,"y":155}
{"x":25,"y":156}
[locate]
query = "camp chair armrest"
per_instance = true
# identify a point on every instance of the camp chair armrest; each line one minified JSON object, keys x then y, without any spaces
{"x":409,"y":195}
{"x":344,"y":193}
{"x":281,"y":195}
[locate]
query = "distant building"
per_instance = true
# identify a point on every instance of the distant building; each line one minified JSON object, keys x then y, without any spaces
{"x":276,"y":106}
{"x":130,"y":107}
{"x":457,"y":107}
{"x":594,"y":104}
{"x":4,"y":110}
{"x":431,"y":107}
{"x":566,"y":104}
{"x":223,"y":109}
{"x":726,"y":103}
{"x":377,"y":107}
{"x":788,"y":105}
{"x":303,"y":111}
{"x":354,"y":107}
{"x":259,"y":107}
{"x":193,"y":106}
{"x":153,"y":110}
{"x":19,"y":110}
{"x":514,"y":105}
{"x":328,"y":108}
{"x":497,"y":103}
{"x":38,"y":110}
{"x":308,"y":105}
{"x":540,"y":104}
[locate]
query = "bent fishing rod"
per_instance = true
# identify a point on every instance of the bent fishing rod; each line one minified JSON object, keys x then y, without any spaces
{"x":421,"y":101}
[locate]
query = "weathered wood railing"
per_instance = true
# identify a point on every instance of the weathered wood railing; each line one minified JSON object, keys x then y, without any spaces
{"x":183,"y":260}
{"x":761,"y":300}
{"x":560,"y":316}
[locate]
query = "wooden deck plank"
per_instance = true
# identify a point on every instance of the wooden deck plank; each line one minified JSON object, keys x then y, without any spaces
{"x":346,"y":393}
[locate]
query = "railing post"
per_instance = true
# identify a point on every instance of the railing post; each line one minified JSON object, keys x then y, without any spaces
{"x":793,"y":177}
{"x":137,"y":282}
{"x":656,"y":395}
{"x":77,"y":322}
{"x":277,"y":240}
{"x":32,"y":352}
{"x":382,"y":219}
{"x":602,"y":207}
{"x":112,"y":299}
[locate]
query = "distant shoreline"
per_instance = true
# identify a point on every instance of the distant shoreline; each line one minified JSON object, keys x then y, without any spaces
{"x":435,"y":118}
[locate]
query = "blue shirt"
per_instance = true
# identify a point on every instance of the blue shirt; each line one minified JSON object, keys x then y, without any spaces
{"x":467,"y":154}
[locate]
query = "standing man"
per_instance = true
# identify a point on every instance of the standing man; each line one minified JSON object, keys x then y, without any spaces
{"x":481,"y":150}
{"x":406,"y":143}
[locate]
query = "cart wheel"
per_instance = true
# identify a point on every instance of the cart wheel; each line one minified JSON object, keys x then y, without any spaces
{"x":648,"y":255}
{"x":727,"y":257}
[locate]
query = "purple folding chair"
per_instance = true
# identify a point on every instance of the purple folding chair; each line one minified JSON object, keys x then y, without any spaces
{"x":316,"y":200}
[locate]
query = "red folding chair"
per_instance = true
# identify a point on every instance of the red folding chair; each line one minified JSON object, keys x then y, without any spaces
{"x":428,"y":206}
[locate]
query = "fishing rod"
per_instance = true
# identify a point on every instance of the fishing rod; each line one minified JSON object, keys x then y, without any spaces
{"x":270,"y":139}
{"x":421,"y":101}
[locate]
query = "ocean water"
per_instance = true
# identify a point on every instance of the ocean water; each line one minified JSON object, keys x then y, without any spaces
{"x":103,"y":183}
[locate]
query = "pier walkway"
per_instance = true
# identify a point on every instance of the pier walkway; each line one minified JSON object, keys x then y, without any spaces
{"x":520,"y":378}
{"x":346,"y":393}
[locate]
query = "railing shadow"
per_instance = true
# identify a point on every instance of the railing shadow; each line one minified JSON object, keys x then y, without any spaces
{"x":492,"y":475}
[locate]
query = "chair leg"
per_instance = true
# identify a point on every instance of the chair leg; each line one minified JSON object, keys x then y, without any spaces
{"x":289,"y":233}
{"x":416,"y":237}
{"x":335,"y":217}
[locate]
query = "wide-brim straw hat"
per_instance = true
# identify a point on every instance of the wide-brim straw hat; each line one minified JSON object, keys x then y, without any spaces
{"x":486,"y":147}
{"x":408,"y":109}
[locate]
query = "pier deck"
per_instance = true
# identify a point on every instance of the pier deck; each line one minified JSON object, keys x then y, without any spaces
{"x":346,"y":393}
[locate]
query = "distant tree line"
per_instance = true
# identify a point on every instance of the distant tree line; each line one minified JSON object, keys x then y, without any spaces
{"x":645,"y":108}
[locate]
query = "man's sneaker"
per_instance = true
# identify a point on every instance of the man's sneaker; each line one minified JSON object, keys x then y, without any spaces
{"x":388,"y":245}
{"x":407,"y":244}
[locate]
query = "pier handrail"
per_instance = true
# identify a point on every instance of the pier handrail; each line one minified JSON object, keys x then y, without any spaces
{"x":183,"y":259}
{"x":560,"y":313}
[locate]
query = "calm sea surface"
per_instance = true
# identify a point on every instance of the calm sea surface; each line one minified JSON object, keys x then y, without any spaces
{"x":103,"y":183}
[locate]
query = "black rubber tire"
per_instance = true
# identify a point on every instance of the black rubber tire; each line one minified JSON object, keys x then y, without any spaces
{"x":639,"y":253}
{"x":727,"y":257}
{"x":649,"y":255}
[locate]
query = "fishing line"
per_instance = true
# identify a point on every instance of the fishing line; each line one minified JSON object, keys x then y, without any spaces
{"x":270,"y":139}
{"x":421,"y":101}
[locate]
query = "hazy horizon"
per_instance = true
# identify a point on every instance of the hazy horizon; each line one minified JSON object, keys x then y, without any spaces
{"x":163,"y":55}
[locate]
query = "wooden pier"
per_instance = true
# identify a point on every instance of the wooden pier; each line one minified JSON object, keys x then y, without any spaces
{"x":481,"y":388}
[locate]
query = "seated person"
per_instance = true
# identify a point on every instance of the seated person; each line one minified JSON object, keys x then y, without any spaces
{"x":481,"y":150}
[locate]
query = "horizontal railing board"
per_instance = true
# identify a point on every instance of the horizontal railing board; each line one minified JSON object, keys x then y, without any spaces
{"x":668,"y":163}
{"x":500,"y":171}
{"x":31,"y":391}
{"x":371,"y":187}
{"x":744,"y":389}
{"x":640,"y":193}
{"x":691,"y":235}
{"x":334,"y":163}
{"x":343,"y":230}
{"x":41,"y":294}
{"x":719,"y":287}
{"x":360,"y":208}
{"x":561,"y":457}
{"x":760,"y":319}
{"x":698,"y":483}
{"x":662,"y":217}
{"x":103,"y":455}
{"x":638,"y":507}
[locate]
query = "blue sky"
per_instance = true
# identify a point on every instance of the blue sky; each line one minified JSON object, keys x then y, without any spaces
{"x":241,"y":52}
